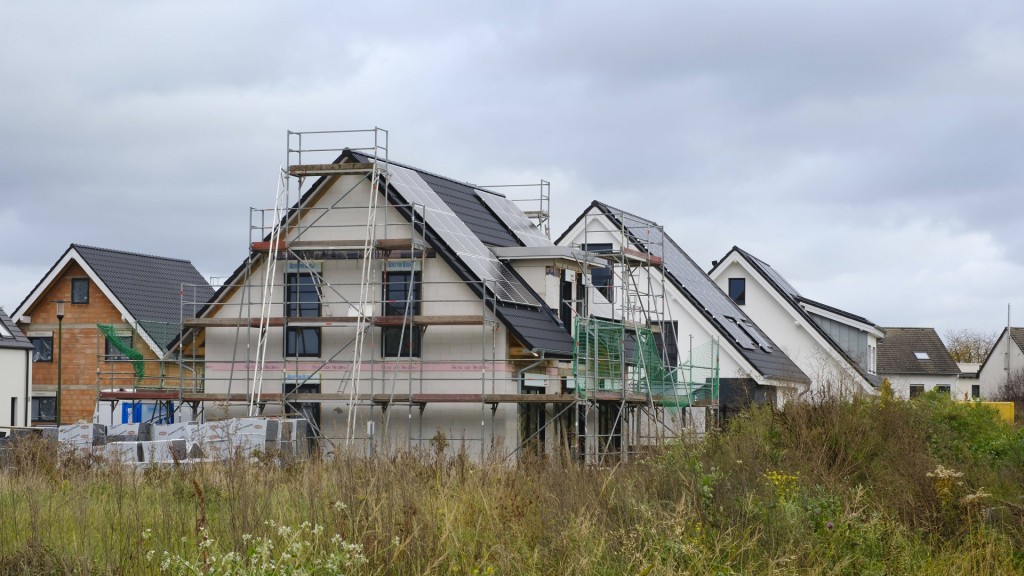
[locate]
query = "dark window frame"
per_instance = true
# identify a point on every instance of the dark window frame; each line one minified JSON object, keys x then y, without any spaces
{"x":944,"y":388}
{"x":668,"y":348}
{"x":603,"y":280}
{"x":398,"y":299}
{"x":37,"y":414}
{"x":976,"y":391}
{"x":738,"y":290}
{"x":302,"y":300}
{"x":35,"y":348}
{"x":76,"y":294}
{"x":916,"y":390}
{"x":111,"y":353}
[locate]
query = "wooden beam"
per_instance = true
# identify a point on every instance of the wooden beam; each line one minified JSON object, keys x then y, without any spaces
{"x":323,"y":169}
{"x":277,"y":322}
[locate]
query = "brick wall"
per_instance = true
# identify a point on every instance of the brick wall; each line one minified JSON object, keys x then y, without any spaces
{"x":83,"y":367}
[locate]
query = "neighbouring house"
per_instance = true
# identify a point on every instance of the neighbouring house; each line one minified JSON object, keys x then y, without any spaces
{"x":700,"y":326}
{"x":915,"y":360}
{"x":1004,"y":362}
{"x":398,"y":309}
{"x":15,"y":374}
{"x":121,"y":311}
{"x":836,"y":349}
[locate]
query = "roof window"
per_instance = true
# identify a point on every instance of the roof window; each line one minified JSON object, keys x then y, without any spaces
{"x":921,"y":355}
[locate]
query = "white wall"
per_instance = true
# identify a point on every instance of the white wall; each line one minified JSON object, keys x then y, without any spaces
{"x":993,"y":375}
{"x":15,"y":376}
{"x":677,"y":308}
{"x":799,"y":340}
{"x":901,"y":384}
{"x":454,"y":359}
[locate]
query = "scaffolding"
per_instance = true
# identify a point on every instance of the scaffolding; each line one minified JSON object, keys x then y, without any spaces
{"x":633,"y":388}
{"x":333,"y":312}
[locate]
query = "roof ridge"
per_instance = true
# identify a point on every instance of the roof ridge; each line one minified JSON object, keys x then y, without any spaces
{"x":625,"y":212}
{"x":76,"y":246}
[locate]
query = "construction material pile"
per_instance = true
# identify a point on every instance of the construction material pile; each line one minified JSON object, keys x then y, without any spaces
{"x":145,"y":444}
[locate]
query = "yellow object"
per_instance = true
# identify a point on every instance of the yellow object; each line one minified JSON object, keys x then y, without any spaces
{"x":1005,"y":410}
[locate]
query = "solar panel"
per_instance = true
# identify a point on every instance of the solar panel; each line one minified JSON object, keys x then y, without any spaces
{"x":513,"y":217}
{"x":677,"y":264}
{"x":473,"y":253}
{"x":775,"y":276}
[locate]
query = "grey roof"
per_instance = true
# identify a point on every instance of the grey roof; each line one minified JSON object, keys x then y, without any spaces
{"x":148,"y":287}
{"x":17,"y":339}
{"x":716,"y":306}
{"x":790,"y":294}
{"x":538,"y":328}
{"x":897,"y":353}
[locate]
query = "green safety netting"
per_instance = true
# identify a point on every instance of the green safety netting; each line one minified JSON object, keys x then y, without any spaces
{"x":138,"y":365}
{"x":608,"y":356}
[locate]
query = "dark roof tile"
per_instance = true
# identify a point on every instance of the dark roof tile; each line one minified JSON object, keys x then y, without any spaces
{"x":17,"y":339}
{"x":149,"y":287}
{"x":897,"y":353}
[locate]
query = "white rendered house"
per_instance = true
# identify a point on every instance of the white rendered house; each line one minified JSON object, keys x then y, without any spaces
{"x":835,"y":348}
{"x":15,"y":374}
{"x":1004,"y":361}
{"x":694,"y":311}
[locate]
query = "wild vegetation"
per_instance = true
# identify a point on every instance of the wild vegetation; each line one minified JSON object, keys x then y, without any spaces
{"x":836,"y":487}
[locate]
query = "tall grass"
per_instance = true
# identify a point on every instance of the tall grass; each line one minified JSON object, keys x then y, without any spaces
{"x":923,"y":487}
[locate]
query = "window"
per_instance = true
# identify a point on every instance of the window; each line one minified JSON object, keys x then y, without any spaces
{"x":14,"y":411}
{"x":401,"y":298}
{"x":44,"y":409}
{"x":604,"y":281}
{"x":943,"y":388}
{"x":111,"y":352}
{"x":872,"y":359}
{"x":916,"y":390}
{"x":921,"y":355}
{"x":4,"y":332}
{"x":666,"y":340}
{"x":975,"y":391}
{"x":79,"y":290}
{"x":738,"y":290}
{"x":42,"y":349}
{"x":302,"y":300}
{"x":303,"y":341}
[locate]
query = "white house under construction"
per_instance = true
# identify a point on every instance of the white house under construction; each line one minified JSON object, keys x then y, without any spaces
{"x":701,"y":324}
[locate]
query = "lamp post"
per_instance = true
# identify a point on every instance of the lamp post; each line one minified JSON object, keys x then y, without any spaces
{"x":60,"y":352}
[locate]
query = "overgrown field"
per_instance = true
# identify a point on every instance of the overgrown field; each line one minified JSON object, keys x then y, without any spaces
{"x":864,"y":487}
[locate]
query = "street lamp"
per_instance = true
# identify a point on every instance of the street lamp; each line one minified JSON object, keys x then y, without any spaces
{"x":60,"y":351}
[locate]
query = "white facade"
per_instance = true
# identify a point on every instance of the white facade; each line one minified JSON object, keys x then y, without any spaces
{"x":903,"y":384}
{"x":694,"y":329}
{"x":15,"y":375}
{"x":828,"y":369}
{"x":1004,"y":360}
{"x":472,"y":358}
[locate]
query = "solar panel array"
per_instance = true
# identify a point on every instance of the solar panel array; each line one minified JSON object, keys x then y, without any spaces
{"x":695,"y":281}
{"x":513,"y":217}
{"x":473,"y":253}
{"x":775,"y":276}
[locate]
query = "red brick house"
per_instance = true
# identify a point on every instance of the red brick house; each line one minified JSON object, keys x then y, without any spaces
{"x":136,"y":295}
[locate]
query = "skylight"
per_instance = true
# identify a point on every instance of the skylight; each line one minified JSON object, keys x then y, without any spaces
{"x":4,"y":332}
{"x":922,"y":355}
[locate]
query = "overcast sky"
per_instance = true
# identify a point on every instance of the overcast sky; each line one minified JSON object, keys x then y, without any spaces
{"x":872,"y":152}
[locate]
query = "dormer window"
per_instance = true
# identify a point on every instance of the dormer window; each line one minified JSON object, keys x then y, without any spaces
{"x":921,"y":355}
